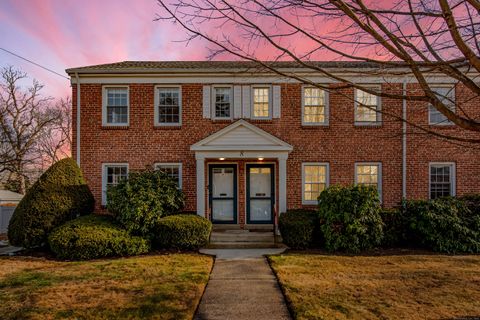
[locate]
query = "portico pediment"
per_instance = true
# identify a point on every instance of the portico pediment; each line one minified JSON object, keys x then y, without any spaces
{"x":241,"y":135}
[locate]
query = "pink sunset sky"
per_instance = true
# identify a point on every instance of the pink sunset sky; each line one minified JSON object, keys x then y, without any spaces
{"x":60,"y":34}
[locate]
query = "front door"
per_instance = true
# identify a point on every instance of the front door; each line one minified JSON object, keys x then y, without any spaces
{"x":260,"y":193}
{"x":223,"y":193}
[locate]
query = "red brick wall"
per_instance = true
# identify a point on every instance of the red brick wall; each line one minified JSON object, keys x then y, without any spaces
{"x":341,"y":144}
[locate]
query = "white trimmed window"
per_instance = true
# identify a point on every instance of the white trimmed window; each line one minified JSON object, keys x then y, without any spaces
{"x":112,"y":174}
{"x":442,"y":180}
{"x":367,"y":107}
{"x":173,"y":170}
{"x":261,"y":102}
{"x":446,"y":94}
{"x":168,"y":106}
{"x":315,"y":178}
{"x":222,"y":102}
{"x":369,"y":174}
{"x":314,"y":106}
{"x":115,"y":106}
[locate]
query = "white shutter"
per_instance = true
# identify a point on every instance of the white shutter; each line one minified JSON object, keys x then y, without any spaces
{"x":206,"y":101}
{"x":277,"y":102}
{"x":237,"y":102}
{"x":246,"y":101}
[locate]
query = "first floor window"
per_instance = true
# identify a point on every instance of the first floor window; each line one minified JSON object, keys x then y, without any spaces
{"x":442,"y":177}
{"x":168,"y":106}
{"x":369,"y":174}
{"x":116,"y":106}
{"x":173,"y":170}
{"x":315,"y":180}
{"x":314,"y":106}
{"x":222,"y":102}
{"x":112,"y":175}
{"x":261,"y":102}
{"x":367,"y":106}
{"x":446,"y":94}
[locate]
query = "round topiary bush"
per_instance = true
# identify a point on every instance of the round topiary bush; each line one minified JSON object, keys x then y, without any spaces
{"x":94,"y":236}
{"x":182,"y":232}
{"x":350,"y":218}
{"x":299,"y":228}
{"x":59,"y":195}
{"x":140,"y":201}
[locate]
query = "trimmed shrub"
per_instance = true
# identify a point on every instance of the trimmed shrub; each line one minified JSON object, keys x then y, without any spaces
{"x":140,"y":201}
{"x":59,"y":195}
{"x":350,"y":218}
{"x":445,"y":225}
{"x":182,"y":232}
{"x":94,"y":236}
{"x":393,"y":227}
{"x":300,"y":228}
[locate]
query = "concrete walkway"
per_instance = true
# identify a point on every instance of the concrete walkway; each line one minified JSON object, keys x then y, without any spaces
{"x":242,"y":286}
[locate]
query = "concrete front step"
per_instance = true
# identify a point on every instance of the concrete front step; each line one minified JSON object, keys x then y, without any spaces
{"x":243,"y":245}
{"x":242,"y":239}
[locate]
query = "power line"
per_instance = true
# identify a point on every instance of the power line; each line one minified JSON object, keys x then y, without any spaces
{"x":32,"y":62}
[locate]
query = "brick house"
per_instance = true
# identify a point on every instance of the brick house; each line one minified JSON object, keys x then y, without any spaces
{"x":246,"y":143}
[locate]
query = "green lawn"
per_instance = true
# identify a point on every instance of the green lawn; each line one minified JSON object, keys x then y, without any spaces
{"x":380,"y":287}
{"x":148,"y":287}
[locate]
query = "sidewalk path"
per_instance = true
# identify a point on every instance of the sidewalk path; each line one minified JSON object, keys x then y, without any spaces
{"x":242,"y":286}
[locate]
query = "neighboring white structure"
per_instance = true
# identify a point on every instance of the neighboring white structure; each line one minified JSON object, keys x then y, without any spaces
{"x":9,"y":197}
{"x":8,"y":202}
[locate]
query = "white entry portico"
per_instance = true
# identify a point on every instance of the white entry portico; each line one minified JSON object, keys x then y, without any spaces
{"x":241,"y":140}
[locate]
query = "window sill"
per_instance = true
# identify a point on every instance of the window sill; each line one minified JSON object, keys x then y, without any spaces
{"x":315,"y":126}
{"x":442,"y":125}
{"x":225,"y":120}
{"x":368,"y":125}
{"x":122,"y":127}
{"x":172,"y":127}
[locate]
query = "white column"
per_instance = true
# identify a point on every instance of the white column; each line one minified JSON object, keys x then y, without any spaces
{"x":282,"y":180}
{"x":200,"y":185}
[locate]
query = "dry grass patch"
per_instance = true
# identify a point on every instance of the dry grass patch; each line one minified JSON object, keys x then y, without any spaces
{"x":148,"y":287}
{"x":380,"y":287}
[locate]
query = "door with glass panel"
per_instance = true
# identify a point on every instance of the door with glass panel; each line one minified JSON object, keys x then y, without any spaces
{"x":260,"y":193}
{"x":223,"y":193}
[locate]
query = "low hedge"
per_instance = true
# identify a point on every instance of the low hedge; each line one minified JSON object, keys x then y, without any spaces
{"x":450,"y":225}
{"x":182,"y":232}
{"x":350,"y":218}
{"x":299,"y":228}
{"x":94,"y":236}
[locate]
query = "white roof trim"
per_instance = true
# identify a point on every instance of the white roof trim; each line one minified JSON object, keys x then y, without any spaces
{"x":273,"y":143}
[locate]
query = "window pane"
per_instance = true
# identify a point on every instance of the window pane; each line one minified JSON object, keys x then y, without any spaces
{"x":440,"y":181}
{"x":169,"y":105}
{"x":315,"y":181}
{"x":261,"y":102}
{"x":117,"y":105}
{"x":171,"y":170}
{"x":222,"y":102}
{"x":366,"y":107}
{"x":367,"y":175}
{"x":115,"y":174}
{"x":314,"y":105}
{"x":447,"y":96}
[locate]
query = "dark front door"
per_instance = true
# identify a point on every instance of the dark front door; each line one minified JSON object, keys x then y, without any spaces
{"x":260,"y":193}
{"x":223,"y":193}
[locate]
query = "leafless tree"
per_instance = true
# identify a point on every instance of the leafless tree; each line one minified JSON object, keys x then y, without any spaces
{"x":417,"y":39}
{"x":24,"y":117}
{"x":55,"y":140}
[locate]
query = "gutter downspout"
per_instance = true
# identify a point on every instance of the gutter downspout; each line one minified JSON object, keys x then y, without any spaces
{"x":78,"y":118}
{"x":404,"y":140}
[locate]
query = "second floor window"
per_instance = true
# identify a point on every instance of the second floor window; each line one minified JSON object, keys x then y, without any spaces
{"x":115,"y":106}
{"x":168,"y":106}
{"x":446,"y":94}
{"x":222,"y":102}
{"x":314,"y":106}
{"x":367,"y":106}
{"x":261,"y":102}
